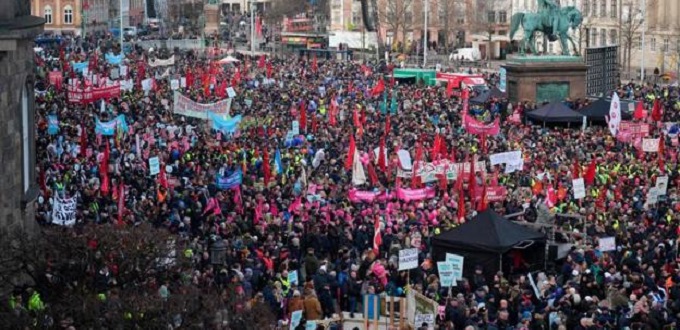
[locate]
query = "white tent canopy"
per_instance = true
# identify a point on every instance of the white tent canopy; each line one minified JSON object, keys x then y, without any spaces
{"x":228,"y":59}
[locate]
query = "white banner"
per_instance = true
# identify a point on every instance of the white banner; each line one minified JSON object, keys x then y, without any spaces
{"x":605,"y":244}
{"x":510,"y":157}
{"x":186,"y":107}
{"x":64,"y":211}
{"x":159,"y":62}
{"x":650,"y":145}
{"x":429,"y":172}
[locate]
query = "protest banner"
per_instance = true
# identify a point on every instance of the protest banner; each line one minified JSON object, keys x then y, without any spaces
{"x":64,"y":211}
{"x":56,"y":78}
{"x":358,"y":196}
{"x":186,"y":107}
{"x":158,"y":62}
{"x":231,"y":181}
{"x":91,"y":94}
{"x":473,"y":126}
{"x":408,"y":195}
{"x":109,"y":128}
{"x":605,"y":244}
{"x":493,"y":194}
{"x":579,"y":187}
{"x":650,"y":145}
{"x":456,"y":262}
{"x":446,"y":274}
{"x":425,"y":319}
{"x":408,"y":259}
{"x":510,"y":157}
{"x":430,"y":172}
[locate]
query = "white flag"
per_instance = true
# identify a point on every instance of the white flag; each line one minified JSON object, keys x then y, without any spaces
{"x":358,"y":175}
{"x":614,"y":114}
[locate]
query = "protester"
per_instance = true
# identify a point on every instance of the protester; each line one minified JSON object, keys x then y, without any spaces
{"x":322,"y":205}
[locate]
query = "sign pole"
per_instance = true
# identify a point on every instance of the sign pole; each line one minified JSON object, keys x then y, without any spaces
{"x":376,"y":308}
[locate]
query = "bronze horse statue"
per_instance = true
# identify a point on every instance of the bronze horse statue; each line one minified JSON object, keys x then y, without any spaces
{"x":567,"y":17}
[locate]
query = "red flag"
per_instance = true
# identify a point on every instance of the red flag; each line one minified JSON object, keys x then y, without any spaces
{"x":472,"y":179}
{"x":459,"y":181}
{"x":104,"y":165}
{"x":265,"y":166}
{"x":392,"y":80}
{"x":314,"y":123}
{"x":269,"y":70}
{"x":551,"y":198}
{"x":83,"y":141}
{"x":639,"y":111}
{"x":381,"y":156}
{"x":258,"y":26}
{"x":372,"y":175}
{"x":355,"y":118}
{"x":121,"y":203}
{"x":483,"y":202}
{"x":378,"y":88}
{"x":449,"y":88}
{"x":388,"y":126}
{"x":261,"y":62}
{"x":461,"y":206}
{"x":494,"y":179}
{"x":350,"y":87}
{"x":350,"y":153}
{"x":662,"y":149}
{"x":377,"y":238}
{"x":590,"y":173}
{"x":105,"y":186}
{"x":577,"y":169}
{"x":332,"y":120}
{"x":415,"y":179}
{"x":315,"y":64}
{"x":483,"y":143}
{"x":189,"y":79}
{"x":656,"y":111}
{"x":303,"y":116}
{"x":162,"y":178}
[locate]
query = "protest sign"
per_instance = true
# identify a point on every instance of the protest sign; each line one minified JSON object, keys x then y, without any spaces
{"x":456,"y":262}
{"x":158,"y":62}
{"x":510,"y":157}
{"x":310,"y":325}
{"x":446,"y":275}
{"x":108,"y":128}
{"x":154,"y":165}
{"x":114,"y":59}
{"x":224,"y":125}
{"x":662,"y":185}
{"x":231,"y":181}
{"x":296,"y":127}
{"x":174,"y":84}
{"x":650,"y":145}
{"x":605,"y":244}
{"x":493,"y":194}
{"x":421,"y":319}
{"x":64,"y":211}
{"x":231,"y":92}
{"x":186,"y":107}
{"x":293,"y":277}
{"x":52,"y":124}
{"x":408,"y":259}
{"x":652,"y":196}
{"x":579,"y":187}
{"x":295,"y":319}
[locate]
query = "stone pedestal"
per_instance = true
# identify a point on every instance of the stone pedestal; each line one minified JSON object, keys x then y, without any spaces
{"x":545,"y":78}
{"x":212,"y":18}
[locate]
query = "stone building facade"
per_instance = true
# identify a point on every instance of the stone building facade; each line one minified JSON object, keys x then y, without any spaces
{"x":18,"y":184}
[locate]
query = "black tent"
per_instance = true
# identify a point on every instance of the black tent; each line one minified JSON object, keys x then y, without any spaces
{"x":485,"y":96}
{"x":555,"y":112}
{"x":485,"y":239}
{"x":597,"y":110}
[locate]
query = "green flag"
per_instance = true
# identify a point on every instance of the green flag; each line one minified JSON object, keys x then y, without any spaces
{"x":393,"y":103}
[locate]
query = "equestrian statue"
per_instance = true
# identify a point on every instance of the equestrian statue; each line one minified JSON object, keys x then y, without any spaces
{"x":551,"y":20}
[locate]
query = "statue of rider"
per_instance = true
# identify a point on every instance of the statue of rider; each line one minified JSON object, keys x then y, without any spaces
{"x":550,"y":7}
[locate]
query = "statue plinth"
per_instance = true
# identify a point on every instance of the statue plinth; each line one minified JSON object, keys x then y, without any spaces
{"x":212,"y":18}
{"x":545,"y":78}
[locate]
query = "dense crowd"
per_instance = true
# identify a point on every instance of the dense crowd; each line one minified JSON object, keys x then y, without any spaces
{"x":292,"y":212}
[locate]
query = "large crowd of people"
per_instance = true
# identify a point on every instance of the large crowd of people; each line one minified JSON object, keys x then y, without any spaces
{"x":291,"y":210}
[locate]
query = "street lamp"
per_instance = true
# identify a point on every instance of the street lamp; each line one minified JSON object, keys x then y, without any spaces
{"x":218,"y":252}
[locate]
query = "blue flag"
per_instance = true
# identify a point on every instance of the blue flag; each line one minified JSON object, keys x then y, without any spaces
{"x":231,"y":181}
{"x":224,"y":125}
{"x":114,"y":59}
{"x":277,"y":162}
{"x":53,"y":124}
{"x":80,"y":66}
{"x":109,"y":128}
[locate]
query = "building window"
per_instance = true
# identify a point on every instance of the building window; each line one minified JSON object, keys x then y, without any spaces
{"x":48,"y":15}
{"x":603,"y":37}
{"x":502,"y":17}
{"x":356,"y":20}
{"x":652,"y":44}
{"x":614,"y":12}
{"x":491,"y":16}
{"x":586,"y":8}
{"x":603,"y":8}
{"x":593,"y":37}
{"x":442,"y":15}
{"x":68,"y":15}
{"x":593,"y":8}
{"x":665,"y":47}
{"x":613,"y":37}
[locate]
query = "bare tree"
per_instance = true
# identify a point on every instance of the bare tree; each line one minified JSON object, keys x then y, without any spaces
{"x":631,"y":26}
{"x":480,"y":20}
{"x":281,"y":9}
{"x":398,"y":16}
{"x":448,"y":9}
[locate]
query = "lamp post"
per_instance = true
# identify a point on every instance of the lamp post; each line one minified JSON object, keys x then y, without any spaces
{"x":218,"y":252}
{"x":252,"y":27}
{"x":120,"y":16}
{"x":427,"y":9}
{"x":642,"y":41}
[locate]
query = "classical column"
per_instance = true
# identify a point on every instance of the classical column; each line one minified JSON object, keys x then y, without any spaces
{"x":56,"y":15}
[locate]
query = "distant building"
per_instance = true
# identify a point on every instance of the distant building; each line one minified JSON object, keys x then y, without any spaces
{"x":19,"y":188}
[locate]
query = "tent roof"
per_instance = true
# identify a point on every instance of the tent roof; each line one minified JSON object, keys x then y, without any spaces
{"x":600,"y":108}
{"x":488,"y":94}
{"x":488,"y":231}
{"x":555,"y":112}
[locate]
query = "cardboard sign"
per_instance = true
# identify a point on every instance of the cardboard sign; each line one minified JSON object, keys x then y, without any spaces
{"x":605,"y":244}
{"x":579,"y":188}
{"x":293,"y":278}
{"x":424,"y":318}
{"x":408,"y":259}
{"x":296,"y":127}
{"x":446,"y":274}
{"x":231,"y":92}
{"x":662,"y":185}
{"x":456,"y":262}
{"x":650,"y":145}
{"x":154,"y":165}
